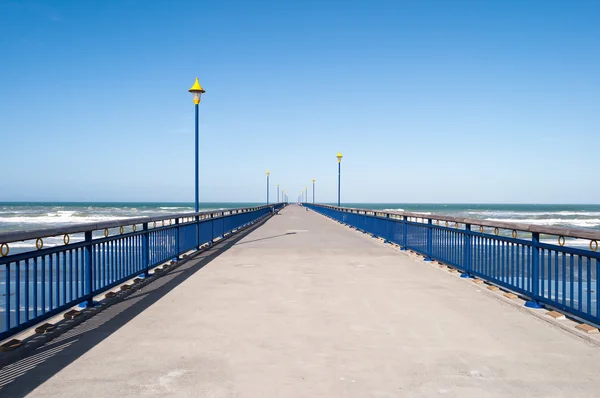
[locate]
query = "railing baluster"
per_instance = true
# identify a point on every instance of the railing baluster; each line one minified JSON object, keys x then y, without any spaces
{"x":535,"y":278}
{"x":467,"y":251}
{"x":89,"y":269}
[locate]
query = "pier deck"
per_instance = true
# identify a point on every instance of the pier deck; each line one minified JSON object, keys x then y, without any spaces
{"x":303,"y":307}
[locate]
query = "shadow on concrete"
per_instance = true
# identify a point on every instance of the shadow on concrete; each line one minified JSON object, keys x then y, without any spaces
{"x":22,"y":377}
{"x":268,"y":237}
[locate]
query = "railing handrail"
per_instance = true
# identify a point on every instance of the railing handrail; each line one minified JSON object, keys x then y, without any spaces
{"x":556,"y":231}
{"x":18,"y":236}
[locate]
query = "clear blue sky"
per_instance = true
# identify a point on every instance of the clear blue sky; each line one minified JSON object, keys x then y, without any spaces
{"x":429,"y":101}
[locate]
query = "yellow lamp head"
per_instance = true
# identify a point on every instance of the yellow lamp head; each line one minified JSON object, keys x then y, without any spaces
{"x":196,"y":91}
{"x":268,"y":172}
{"x":339,"y":157}
{"x":313,"y":180}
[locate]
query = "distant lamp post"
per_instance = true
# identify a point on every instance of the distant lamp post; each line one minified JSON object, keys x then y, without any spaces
{"x":306,"y":194}
{"x":313,"y":180}
{"x":277,"y":193}
{"x":268,"y":173}
{"x":197,"y":92}
{"x":339,"y":158}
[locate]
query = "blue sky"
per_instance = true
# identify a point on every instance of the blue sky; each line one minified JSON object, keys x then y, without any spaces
{"x":429,"y":101}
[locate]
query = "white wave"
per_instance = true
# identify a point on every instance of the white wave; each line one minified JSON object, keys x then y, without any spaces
{"x":585,"y":223}
{"x":55,"y":219}
{"x":175,"y":208}
{"x":393,"y":209}
{"x":568,"y":242}
{"x":509,"y":213}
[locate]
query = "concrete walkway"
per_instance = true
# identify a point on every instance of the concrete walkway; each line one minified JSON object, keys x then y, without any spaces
{"x":303,"y":307}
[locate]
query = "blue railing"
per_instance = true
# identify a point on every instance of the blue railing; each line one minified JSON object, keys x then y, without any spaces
{"x":38,"y":283}
{"x":509,"y":255}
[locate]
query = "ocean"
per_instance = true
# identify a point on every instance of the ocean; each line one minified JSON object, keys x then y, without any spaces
{"x":580,"y":216}
{"x":18,"y":216}
{"x":27,"y":216}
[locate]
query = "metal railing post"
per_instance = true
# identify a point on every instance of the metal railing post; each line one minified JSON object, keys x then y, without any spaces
{"x":197,"y":221}
{"x":404,"y":233}
{"x":145,"y":250}
{"x":467,"y":252}
{"x":176,"y":240}
{"x":89,"y":280}
{"x":429,"y":240}
{"x":535,"y":271}
{"x":387,"y":229}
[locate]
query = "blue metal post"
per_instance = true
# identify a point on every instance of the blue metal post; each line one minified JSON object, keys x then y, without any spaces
{"x":89,"y":281}
{"x":404,"y":233}
{"x":267,"y":189}
{"x":467,"y":252}
{"x":429,"y":240}
{"x":197,"y":207}
{"x":535,"y":271}
{"x":176,"y":240}
{"x":313,"y":192}
{"x":387,"y":229}
{"x":145,"y":250}
{"x":339,"y":180}
{"x":277,"y":193}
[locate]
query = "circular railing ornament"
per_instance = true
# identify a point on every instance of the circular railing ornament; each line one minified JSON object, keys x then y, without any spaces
{"x":561,"y":240}
{"x":514,"y":234}
{"x":39,"y":243}
{"x":106,"y":233}
{"x":594,"y":245}
{"x":496,"y":231}
{"x":133,"y":227}
{"x":66,"y":239}
{"x":121,"y":230}
{"x":4,"y":249}
{"x":481,"y":228}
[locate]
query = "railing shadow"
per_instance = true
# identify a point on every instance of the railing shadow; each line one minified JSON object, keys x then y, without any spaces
{"x":268,"y":237}
{"x":23,"y":376}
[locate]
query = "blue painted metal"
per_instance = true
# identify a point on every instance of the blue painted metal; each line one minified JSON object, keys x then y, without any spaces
{"x":467,"y":252}
{"x":561,"y":277}
{"x":339,"y":180}
{"x":267,"y":189}
{"x":313,"y":192}
{"x":197,"y":168}
{"x":39,"y":284}
{"x":535,"y":265}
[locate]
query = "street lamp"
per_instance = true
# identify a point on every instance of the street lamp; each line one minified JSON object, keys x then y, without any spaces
{"x":313,"y":180}
{"x":339,"y":158}
{"x":197,"y":91}
{"x":268,"y":172}
{"x":277,"y":193}
{"x":306,"y":195}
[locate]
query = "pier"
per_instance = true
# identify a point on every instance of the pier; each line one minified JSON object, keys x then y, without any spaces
{"x":298,"y":305}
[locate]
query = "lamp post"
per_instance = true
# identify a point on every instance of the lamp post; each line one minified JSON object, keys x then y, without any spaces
{"x":313,"y":180}
{"x":268,"y":172}
{"x":197,"y":91}
{"x":306,"y":194}
{"x":277,"y":193}
{"x":339,"y":158}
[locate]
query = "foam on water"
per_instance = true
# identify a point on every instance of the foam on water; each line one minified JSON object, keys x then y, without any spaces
{"x":559,"y":222}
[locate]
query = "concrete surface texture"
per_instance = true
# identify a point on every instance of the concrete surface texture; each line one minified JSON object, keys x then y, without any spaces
{"x":303,"y":307}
